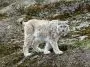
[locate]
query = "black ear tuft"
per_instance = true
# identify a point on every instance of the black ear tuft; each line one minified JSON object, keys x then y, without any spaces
{"x":68,"y":22}
{"x":21,"y":23}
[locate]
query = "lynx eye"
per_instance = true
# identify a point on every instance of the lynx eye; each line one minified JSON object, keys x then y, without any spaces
{"x":61,"y":26}
{"x":64,"y":26}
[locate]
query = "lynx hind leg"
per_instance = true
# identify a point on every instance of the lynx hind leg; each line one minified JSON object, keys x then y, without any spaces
{"x":47,"y":48}
{"x":26,"y":49}
{"x":27,"y":44}
{"x":35,"y":46}
{"x":28,"y":38}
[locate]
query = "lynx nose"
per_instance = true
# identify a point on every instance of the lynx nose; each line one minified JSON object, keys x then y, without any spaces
{"x":62,"y":30}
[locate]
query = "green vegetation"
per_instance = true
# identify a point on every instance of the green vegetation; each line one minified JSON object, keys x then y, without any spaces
{"x":7,"y":49}
{"x":83,"y":44}
{"x":2,"y":16}
{"x":55,"y":10}
{"x":84,"y":31}
{"x":11,"y":54}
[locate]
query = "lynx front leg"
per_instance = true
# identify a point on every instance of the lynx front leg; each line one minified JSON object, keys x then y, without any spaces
{"x":27,"y":43}
{"x":26,"y":51}
{"x":55,"y":47}
{"x":26,"y":48}
{"x":47,"y":48}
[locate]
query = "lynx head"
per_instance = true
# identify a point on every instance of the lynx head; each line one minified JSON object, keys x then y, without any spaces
{"x":63,"y":28}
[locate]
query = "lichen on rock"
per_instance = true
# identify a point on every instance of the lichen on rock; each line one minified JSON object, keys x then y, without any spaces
{"x":76,"y":50}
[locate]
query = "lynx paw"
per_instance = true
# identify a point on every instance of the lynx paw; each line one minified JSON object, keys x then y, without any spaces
{"x":59,"y":52}
{"x":47,"y":52}
{"x":28,"y":54}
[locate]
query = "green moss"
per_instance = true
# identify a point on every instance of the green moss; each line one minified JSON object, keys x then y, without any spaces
{"x":2,"y":16}
{"x":8,"y":49}
{"x":85,"y":31}
{"x":83,"y":44}
{"x":47,"y":11}
{"x":33,"y":10}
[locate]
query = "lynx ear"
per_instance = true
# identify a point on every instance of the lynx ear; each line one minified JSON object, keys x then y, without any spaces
{"x":62,"y":22}
{"x":56,"y":21}
{"x":67,"y":22}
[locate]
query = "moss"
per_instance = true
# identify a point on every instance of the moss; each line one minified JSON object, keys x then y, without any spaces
{"x":2,"y":16}
{"x":85,"y":31}
{"x":8,"y":49}
{"x":47,"y":11}
{"x":33,"y":10}
{"x":83,"y":44}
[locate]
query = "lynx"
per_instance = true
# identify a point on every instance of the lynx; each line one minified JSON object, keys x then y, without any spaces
{"x":39,"y":31}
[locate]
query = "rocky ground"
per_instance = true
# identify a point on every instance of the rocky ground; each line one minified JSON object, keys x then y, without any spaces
{"x":76,"y":45}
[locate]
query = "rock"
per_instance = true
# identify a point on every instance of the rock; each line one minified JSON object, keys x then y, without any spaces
{"x":50,"y":1}
{"x":4,"y":3}
{"x":71,"y":58}
{"x":76,"y":52}
{"x":82,"y":37}
{"x":16,"y":8}
{"x":10,"y":29}
{"x":3,"y":31}
{"x":83,"y":25}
